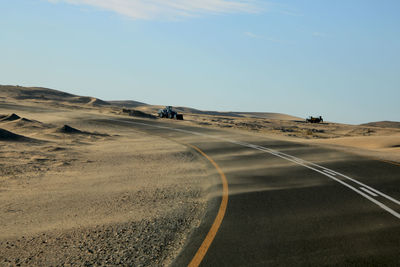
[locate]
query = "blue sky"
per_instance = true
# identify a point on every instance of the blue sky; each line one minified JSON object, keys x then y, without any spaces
{"x":339,"y":59}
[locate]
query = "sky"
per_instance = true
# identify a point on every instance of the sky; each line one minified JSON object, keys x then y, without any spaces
{"x":339,"y":59}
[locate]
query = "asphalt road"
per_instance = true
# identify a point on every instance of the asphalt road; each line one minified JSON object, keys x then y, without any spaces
{"x":291,"y":204}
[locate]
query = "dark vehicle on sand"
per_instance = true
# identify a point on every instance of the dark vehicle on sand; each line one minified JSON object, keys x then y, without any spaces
{"x":169,"y":113}
{"x":312,"y":119}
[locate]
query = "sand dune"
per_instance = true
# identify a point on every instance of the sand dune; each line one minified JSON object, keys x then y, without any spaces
{"x":270,"y":115}
{"x":10,"y":136}
{"x":383,"y":124}
{"x":45,"y":94}
{"x":66,"y":129}
{"x":69,"y":129}
{"x":377,"y":147}
{"x":13,"y":122}
{"x":127,"y":103}
{"x":366,"y":142}
{"x":14,"y":119}
{"x":191,"y":111}
{"x":97,"y":102}
{"x":11,"y":117}
{"x":21,"y":125}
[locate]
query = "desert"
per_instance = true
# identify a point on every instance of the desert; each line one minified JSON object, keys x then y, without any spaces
{"x":199,"y":133}
{"x":106,"y":195}
{"x":75,"y":191}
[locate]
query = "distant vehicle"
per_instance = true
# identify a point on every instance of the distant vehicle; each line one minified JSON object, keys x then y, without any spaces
{"x":169,"y":113}
{"x":312,"y":119}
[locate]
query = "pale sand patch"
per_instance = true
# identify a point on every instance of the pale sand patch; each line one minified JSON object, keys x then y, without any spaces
{"x":367,"y":142}
{"x":371,"y":141}
{"x":382,"y":147}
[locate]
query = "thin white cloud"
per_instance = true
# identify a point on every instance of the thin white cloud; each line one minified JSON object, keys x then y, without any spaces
{"x":253,"y":35}
{"x":292,"y":13}
{"x":319,"y":34}
{"x":284,"y":9}
{"x":265,"y":38}
{"x":170,"y":9}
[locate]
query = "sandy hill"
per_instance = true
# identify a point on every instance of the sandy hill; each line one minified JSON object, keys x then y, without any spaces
{"x":269,"y":115}
{"x":10,"y":117}
{"x":46,"y":94}
{"x":185,"y":110}
{"x":383,"y":124}
{"x":127,"y":103}
{"x":39,"y":93}
{"x":10,"y":136}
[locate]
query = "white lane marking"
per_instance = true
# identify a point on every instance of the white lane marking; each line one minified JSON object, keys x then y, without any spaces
{"x":329,"y":172}
{"x":333,"y":173}
{"x":293,"y":159}
{"x":383,"y":206}
{"x":369,"y":192}
{"x":364,"y":185}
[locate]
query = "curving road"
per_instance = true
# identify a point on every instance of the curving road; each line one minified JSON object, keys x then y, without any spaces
{"x":290,"y":204}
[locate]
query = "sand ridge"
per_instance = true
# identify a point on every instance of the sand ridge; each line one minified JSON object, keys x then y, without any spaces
{"x":10,"y":136}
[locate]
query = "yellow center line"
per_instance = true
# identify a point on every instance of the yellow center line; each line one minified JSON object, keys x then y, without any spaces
{"x":201,"y":252}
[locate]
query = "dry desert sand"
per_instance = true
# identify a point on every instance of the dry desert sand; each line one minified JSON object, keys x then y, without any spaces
{"x":380,"y":140}
{"x":75,"y":192}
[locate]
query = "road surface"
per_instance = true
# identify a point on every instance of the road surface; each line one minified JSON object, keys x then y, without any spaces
{"x":289,"y":204}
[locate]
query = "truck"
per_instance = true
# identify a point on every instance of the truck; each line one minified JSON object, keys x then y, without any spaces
{"x":312,"y":119}
{"x":169,"y":113}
